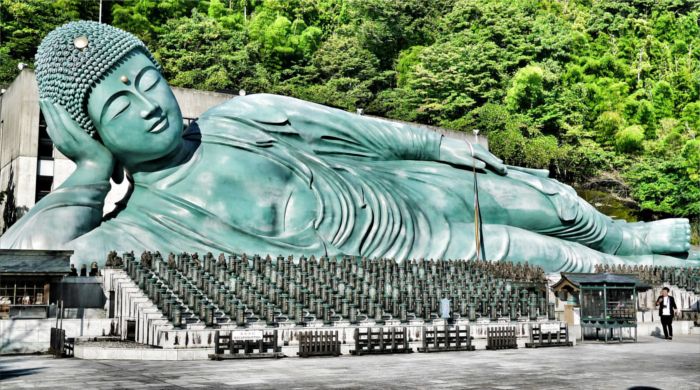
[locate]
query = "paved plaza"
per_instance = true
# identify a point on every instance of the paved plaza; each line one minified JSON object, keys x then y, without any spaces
{"x":650,"y":363}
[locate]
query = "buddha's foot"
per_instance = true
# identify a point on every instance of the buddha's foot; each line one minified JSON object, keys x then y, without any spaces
{"x":660,"y":261}
{"x":665,"y":236}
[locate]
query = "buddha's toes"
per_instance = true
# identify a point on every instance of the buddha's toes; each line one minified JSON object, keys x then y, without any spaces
{"x":667,"y":235}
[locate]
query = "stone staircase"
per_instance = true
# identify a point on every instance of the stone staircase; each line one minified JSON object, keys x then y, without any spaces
{"x":133,"y":306}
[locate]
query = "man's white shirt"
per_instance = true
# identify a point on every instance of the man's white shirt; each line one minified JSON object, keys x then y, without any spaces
{"x":667,"y":308}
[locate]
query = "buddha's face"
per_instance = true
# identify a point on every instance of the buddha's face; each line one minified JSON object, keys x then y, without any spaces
{"x":135,"y":112}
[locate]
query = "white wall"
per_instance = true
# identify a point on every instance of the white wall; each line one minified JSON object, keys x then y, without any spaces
{"x":30,"y":336}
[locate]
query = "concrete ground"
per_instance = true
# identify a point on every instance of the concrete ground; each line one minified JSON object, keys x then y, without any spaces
{"x":652,"y":362}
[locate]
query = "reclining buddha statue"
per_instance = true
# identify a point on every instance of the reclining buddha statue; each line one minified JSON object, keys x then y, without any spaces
{"x":269,"y":174}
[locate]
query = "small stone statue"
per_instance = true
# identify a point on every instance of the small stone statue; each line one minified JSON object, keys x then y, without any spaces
{"x":146,"y":259}
{"x":94,"y":271}
{"x":118,"y":262}
{"x":110,"y":259}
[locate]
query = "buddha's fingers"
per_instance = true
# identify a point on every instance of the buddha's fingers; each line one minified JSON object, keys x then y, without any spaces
{"x":60,"y":134}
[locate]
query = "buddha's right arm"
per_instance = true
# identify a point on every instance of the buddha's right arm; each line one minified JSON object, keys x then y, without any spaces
{"x":61,"y":216}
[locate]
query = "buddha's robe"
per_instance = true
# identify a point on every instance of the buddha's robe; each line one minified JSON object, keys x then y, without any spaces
{"x":378,"y":185}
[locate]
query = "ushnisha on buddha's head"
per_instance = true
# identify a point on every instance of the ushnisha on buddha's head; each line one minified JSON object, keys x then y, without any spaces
{"x":109,"y":84}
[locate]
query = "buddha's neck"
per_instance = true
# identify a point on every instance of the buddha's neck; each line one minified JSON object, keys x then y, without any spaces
{"x":163,"y":167}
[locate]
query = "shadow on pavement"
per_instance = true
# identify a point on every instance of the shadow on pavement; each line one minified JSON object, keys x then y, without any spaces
{"x":9,"y":374}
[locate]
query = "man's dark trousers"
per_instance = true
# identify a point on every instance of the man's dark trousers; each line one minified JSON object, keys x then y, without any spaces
{"x":666,"y":323}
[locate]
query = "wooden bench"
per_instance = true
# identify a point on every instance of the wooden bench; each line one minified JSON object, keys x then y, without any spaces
{"x":226,"y":346}
{"x":447,"y":338}
{"x":502,"y":337}
{"x":381,"y":341}
{"x":324,"y":343}
{"x":540,"y":338}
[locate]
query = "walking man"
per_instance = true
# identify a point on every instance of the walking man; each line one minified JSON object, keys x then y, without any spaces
{"x":667,"y":307}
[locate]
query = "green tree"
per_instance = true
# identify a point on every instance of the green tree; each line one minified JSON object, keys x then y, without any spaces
{"x":526,"y":89}
{"x":629,"y":139}
{"x":147,"y":19}
{"x":24,"y":23}
{"x":199,"y":52}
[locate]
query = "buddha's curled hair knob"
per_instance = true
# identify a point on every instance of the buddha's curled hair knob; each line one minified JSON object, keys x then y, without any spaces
{"x":73,"y":57}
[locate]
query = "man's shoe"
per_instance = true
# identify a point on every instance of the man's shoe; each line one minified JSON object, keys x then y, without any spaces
{"x":670,"y":338}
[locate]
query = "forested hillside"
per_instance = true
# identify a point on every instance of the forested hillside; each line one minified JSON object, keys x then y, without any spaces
{"x":606,"y":94}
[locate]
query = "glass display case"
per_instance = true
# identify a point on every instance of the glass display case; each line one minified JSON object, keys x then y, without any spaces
{"x":608,"y":304}
{"x":621,"y":303}
{"x":592,"y":304}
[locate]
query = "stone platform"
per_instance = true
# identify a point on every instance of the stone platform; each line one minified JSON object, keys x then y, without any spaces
{"x":652,"y":362}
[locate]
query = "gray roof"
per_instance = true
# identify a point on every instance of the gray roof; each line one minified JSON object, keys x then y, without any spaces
{"x":579,"y":279}
{"x":36,"y":262}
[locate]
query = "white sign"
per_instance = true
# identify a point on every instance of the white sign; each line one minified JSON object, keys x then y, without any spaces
{"x":549,"y":328}
{"x":243,"y":335}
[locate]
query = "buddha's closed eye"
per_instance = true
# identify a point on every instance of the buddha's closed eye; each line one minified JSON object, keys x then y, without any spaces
{"x":149,"y":79}
{"x":117,"y":106}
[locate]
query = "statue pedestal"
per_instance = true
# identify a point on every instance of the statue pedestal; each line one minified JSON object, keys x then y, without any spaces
{"x":416,"y":322}
{"x":368,"y":323}
{"x":341,"y":324}
{"x":229,"y":326}
{"x":315,"y":324}
{"x":439,"y":322}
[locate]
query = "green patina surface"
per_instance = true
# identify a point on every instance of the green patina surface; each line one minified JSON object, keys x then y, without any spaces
{"x":271,"y":174}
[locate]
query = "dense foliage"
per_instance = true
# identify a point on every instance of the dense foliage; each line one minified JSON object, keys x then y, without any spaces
{"x":589,"y":89}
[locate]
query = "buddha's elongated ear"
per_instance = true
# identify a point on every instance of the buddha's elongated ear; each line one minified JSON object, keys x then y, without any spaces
{"x":118,"y":172}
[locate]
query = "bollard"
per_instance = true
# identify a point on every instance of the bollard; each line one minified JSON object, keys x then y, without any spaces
{"x":550,"y":312}
{"x":353,"y":314}
{"x":299,"y":313}
{"x":378,"y":313}
{"x":240,"y":315}
{"x":176,"y":316}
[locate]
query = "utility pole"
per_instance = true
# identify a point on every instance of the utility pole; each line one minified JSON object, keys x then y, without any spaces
{"x":100,"y":20}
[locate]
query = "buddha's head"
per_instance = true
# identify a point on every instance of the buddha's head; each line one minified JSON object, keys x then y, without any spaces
{"x":112,"y":87}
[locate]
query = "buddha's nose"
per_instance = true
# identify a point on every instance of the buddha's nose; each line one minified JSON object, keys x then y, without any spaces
{"x":149,"y":109}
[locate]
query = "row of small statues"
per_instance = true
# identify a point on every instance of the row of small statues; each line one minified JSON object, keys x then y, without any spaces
{"x":687,"y":278}
{"x":329,"y":288}
{"x":503,"y":270}
{"x":94,"y":270}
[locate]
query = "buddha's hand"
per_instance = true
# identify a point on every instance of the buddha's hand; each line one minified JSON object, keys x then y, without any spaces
{"x":464,"y":153}
{"x":91,"y":157}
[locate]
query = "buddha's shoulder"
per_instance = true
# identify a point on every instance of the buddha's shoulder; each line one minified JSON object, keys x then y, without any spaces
{"x":264,"y":108}
{"x":234,"y":118}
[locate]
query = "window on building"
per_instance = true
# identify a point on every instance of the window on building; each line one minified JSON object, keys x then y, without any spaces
{"x":44,"y":185}
{"x":44,"y":177}
{"x":21,"y":291}
{"x":45,"y":144}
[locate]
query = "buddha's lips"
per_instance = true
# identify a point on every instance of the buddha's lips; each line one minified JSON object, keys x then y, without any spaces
{"x":159,"y":125}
